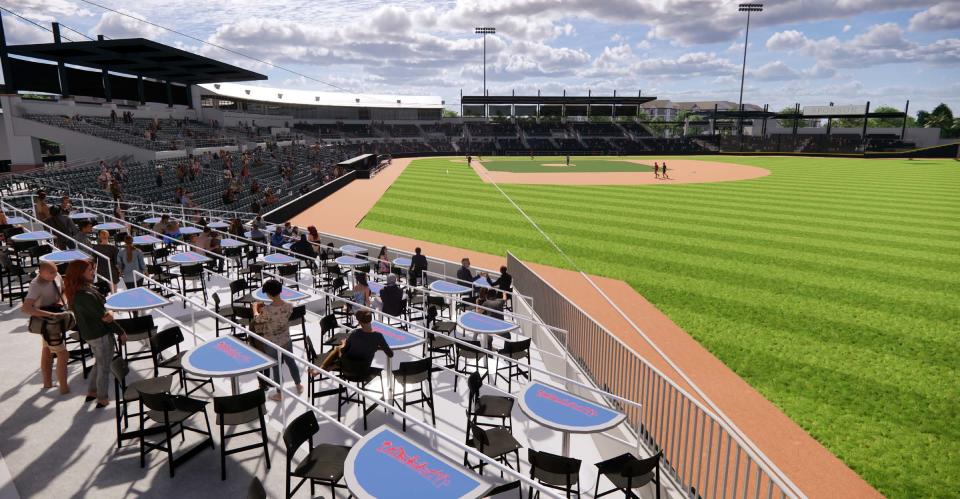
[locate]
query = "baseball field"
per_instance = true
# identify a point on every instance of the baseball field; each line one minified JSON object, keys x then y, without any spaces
{"x":543,"y":164}
{"x":830,"y":285}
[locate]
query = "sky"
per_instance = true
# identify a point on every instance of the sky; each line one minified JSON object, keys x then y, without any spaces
{"x":809,"y":51}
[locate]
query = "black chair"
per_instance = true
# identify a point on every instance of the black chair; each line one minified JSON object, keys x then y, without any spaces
{"x":238,"y":288}
{"x":234,"y":410}
{"x":511,"y":490}
{"x":256,"y":490}
{"x":555,"y":472}
{"x":329,"y":326}
{"x":515,"y":350}
{"x":626,"y":472}
{"x":225,"y":311}
{"x":81,"y":353}
{"x":414,"y":373}
{"x":361,"y":374}
{"x":160,"y":254}
{"x":164,"y":340}
{"x":314,"y":391}
{"x":16,"y":283}
{"x":472,"y":358}
{"x":137,"y":328}
{"x":192,"y":279}
{"x":158,"y":273}
{"x":323,"y":463}
{"x":488,"y":406}
{"x":495,"y":443}
{"x":252,"y":274}
{"x":127,"y":394}
{"x":291,"y":272}
{"x":298,"y":317}
{"x":170,"y":412}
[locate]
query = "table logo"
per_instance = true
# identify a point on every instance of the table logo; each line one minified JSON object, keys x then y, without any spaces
{"x":388,"y":332}
{"x":565,"y":402}
{"x":436,"y":478}
{"x":233,"y":353}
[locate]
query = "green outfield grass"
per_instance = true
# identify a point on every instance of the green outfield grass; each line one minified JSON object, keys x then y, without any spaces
{"x":540,"y":164}
{"x":832,"y":286}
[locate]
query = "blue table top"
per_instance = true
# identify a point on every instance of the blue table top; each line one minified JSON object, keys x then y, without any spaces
{"x":286,"y":245}
{"x":231,"y":243}
{"x":375,"y":287}
{"x":287,"y":294}
{"x":350,"y":261}
{"x":225,"y":357}
{"x":562,"y":410}
{"x":65,"y":256}
{"x":448,"y":288}
{"x":279,"y":259}
{"x":190,"y":230}
{"x":135,"y":299}
{"x":386,"y":464}
{"x":82,"y":216}
{"x":482,"y":282}
{"x":108,"y":226}
{"x":145,"y":240}
{"x":484,"y":324}
{"x":402,"y":261}
{"x":353,"y":248}
{"x":17,"y":220}
{"x":37,"y":235}
{"x":397,"y":338}
{"x":188,"y":257}
{"x":218,"y":225}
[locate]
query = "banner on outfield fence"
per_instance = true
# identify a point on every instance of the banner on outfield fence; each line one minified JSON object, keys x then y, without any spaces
{"x":849,"y":110}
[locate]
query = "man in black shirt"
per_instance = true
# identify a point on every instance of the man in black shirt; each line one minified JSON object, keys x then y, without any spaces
{"x":362,"y":343}
{"x":392,"y":297}
{"x":418,"y":264}
{"x":464,"y":273}
{"x":504,"y":283}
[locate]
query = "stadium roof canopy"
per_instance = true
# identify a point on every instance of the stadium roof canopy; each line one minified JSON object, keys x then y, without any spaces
{"x":317,"y":98}
{"x":555,"y":100}
{"x":138,"y":57}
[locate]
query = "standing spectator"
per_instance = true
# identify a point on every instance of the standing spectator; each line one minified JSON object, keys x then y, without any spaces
{"x":63,"y":226}
{"x":93,"y":323}
{"x":45,"y":302}
{"x":107,"y":267}
{"x":236,"y":228}
{"x":418,"y":264}
{"x":383,"y":261}
{"x":159,"y":176}
{"x":130,"y":261}
{"x":271,"y":321}
{"x":504,"y":283}
{"x":40,"y":207}
{"x":65,"y":204}
{"x":303,"y":248}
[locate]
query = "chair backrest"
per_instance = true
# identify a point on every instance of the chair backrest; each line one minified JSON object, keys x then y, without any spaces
{"x":298,"y":313}
{"x":641,"y":467}
{"x":514,"y":347}
{"x":469,"y":350}
{"x":243,"y":313}
{"x":158,"y":401}
{"x":238,"y":286}
{"x":243,"y":402}
{"x":506,"y":490}
{"x":216,"y":301}
{"x":119,"y":368}
{"x":414,"y":371}
{"x":165,"y":339}
{"x":137,"y":325}
{"x":288,"y":270}
{"x":256,"y":490}
{"x":328,"y":323}
{"x":474,"y":382}
{"x":552,"y":464}
{"x":353,"y":369}
{"x":191,"y":270}
{"x":299,"y":431}
{"x":311,"y":351}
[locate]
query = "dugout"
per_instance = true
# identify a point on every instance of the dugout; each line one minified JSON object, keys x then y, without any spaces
{"x":365,"y":165}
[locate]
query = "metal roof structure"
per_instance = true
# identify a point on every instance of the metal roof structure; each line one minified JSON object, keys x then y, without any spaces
{"x":138,"y":57}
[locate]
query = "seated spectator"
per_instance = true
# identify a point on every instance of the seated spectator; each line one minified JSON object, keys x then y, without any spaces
{"x":361,"y":290}
{"x":361,"y":344}
{"x":203,"y":238}
{"x":160,"y":226}
{"x":303,"y":247}
{"x":391,"y":297}
{"x":312,"y":235}
{"x":277,"y":239}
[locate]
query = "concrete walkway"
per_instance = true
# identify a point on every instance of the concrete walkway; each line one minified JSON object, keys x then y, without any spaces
{"x":809,"y":465}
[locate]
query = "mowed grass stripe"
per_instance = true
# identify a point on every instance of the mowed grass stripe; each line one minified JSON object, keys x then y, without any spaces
{"x":829,"y":285}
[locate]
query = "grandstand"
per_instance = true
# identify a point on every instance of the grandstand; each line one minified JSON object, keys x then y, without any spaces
{"x":546,"y":392}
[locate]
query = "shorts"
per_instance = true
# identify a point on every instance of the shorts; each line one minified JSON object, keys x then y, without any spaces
{"x":62,"y":347}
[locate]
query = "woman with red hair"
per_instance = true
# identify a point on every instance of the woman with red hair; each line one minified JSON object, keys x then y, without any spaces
{"x":93,"y":323}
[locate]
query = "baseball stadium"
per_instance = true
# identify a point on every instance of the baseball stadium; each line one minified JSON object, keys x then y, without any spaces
{"x":243,"y":285}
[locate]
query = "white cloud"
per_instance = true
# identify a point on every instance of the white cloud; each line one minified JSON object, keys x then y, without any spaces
{"x":880,"y":44}
{"x":943,"y":16}
{"x":846,"y":28}
{"x":18,"y":32}
{"x":115,"y":25}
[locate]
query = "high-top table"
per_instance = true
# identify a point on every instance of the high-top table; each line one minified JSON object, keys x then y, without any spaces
{"x":225,"y":357}
{"x":563,"y":411}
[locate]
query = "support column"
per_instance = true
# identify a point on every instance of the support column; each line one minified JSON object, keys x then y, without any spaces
{"x":140,"y":90}
{"x":863,"y":134}
{"x":9,"y":81}
{"x":903,"y":129}
{"x":105,"y":75}
{"x":169,"y":94}
{"x":61,"y":67}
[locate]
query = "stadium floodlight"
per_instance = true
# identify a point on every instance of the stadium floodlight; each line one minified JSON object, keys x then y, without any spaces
{"x":485,"y":31}
{"x":748,"y":8}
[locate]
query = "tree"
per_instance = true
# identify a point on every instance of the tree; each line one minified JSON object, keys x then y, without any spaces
{"x":922,"y":118}
{"x":888,"y":122}
{"x":941,"y":117}
{"x":449,"y":113}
